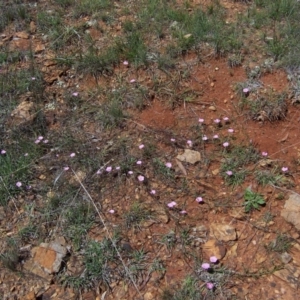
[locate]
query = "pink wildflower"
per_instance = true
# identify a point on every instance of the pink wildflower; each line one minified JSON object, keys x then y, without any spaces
{"x":19,"y":184}
{"x":168,"y":165}
{"x":141,"y":178}
{"x":205,"y":266}
{"x":213,"y":259}
{"x":210,"y":285}
{"x":172,"y":204}
{"x":199,"y":199}
{"x":108,"y":169}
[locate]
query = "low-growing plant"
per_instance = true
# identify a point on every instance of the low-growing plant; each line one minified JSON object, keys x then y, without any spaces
{"x":11,"y":11}
{"x":10,"y":256}
{"x":268,"y":177}
{"x":234,"y":168}
{"x":235,"y":60}
{"x":136,"y":214}
{"x":281,"y":244}
{"x":101,"y":261}
{"x":272,"y":107}
{"x":79,"y":220}
{"x":28,"y":233}
{"x":15,"y":170}
{"x":236,"y":178}
{"x":253,"y":200}
{"x":75,"y":282}
{"x":97,"y":64}
{"x":138,"y":265}
{"x":162,"y":170}
{"x":190,"y":289}
{"x":90,"y":7}
{"x":101,"y":264}
{"x":169,"y":240}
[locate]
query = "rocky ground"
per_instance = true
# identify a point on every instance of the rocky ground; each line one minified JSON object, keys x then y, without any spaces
{"x":199,"y":165}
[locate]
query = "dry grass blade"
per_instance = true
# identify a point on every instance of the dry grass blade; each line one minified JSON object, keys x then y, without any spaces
{"x":108,"y":235}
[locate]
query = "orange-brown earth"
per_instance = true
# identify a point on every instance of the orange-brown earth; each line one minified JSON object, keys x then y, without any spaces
{"x":213,"y":96}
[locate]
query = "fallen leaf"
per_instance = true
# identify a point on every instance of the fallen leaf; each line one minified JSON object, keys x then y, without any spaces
{"x":181,"y":167}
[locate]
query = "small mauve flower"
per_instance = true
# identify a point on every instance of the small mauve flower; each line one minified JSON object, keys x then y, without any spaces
{"x":26,"y":154}
{"x":199,"y":199}
{"x":111,"y":211}
{"x":201,"y":120}
{"x":226,"y":119}
{"x":125,"y":63}
{"x":37,"y":141}
{"x":46,"y":141}
{"x":189,"y":142}
{"x":230,"y":130}
{"x":75,"y":94}
{"x":130,"y":172}
{"x":216,"y":136}
{"x":229,"y":173}
{"x":72,"y":154}
{"x":172,"y":204}
{"x":141,"y":146}
{"x":205,"y":266}
{"x":141,"y":178}
{"x":153,"y":192}
{"x":226,"y":144}
{"x":213,"y":259}
{"x":118,"y":168}
{"x":33,"y":78}
{"x":108,"y":169}
{"x":19,"y":184}
{"x":3,"y":152}
{"x":173,"y":140}
{"x":204,"y":138}
{"x":264,"y":154}
{"x":168,"y":165}
{"x":66,"y":168}
{"x":217,"y":121}
{"x":245,"y":90}
{"x":284,"y":169}
{"x":40,"y":137}
{"x":28,"y":187}
{"x":132,"y":81}
{"x":139,"y":162}
{"x":183,"y":212}
{"x":210,"y":285}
